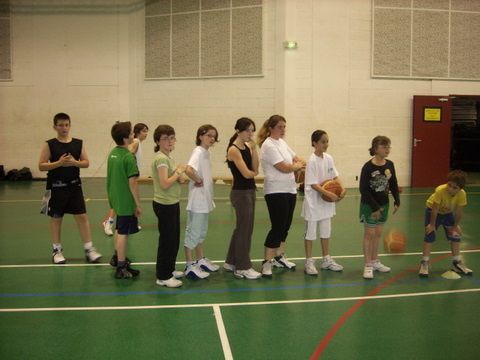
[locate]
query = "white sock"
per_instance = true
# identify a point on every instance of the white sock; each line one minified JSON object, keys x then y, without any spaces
{"x":57,"y":247}
{"x":327,"y":258}
{"x":88,"y":245}
{"x":426,"y":258}
{"x":457,"y":258}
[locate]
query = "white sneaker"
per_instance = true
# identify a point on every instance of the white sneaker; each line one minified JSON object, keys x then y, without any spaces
{"x":178,"y":274}
{"x":310,"y":268}
{"x":368,"y":272}
{"x":107,"y":227}
{"x":423,"y":271}
{"x":195,"y":271}
{"x":139,"y":227}
{"x":249,"y":274}
{"x":330,"y":264}
{"x":207,"y":265}
{"x":459,"y":267}
{"x":283,"y":262}
{"x":378,"y":266}
{"x":228,"y":267}
{"x":267,"y":268}
{"x":92,"y":256}
{"x":57,"y":257}
{"x":171,"y":283}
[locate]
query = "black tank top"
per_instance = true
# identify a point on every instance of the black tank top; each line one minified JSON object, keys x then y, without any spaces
{"x":239,"y":181}
{"x":63,"y":174}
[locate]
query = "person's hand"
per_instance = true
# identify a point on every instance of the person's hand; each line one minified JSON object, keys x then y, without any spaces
{"x":199,"y":184}
{"x":395,"y":208}
{"x":332,"y":196}
{"x":377,"y":214}
{"x":342,"y":194}
{"x":429,"y":229}
{"x":138,"y":211}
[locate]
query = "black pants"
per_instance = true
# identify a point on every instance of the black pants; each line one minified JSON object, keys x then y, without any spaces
{"x":280,"y":208}
{"x":168,"y":217}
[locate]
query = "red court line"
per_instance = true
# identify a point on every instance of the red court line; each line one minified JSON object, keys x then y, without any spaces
{"x":334,"y":329}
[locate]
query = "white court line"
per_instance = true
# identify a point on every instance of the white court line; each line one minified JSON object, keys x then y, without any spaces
{"x":251,"y":303}
{"x":221,"y":261}
{"x":227,"y":352}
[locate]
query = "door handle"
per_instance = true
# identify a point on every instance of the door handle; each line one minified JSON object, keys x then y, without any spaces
{"x":415,"y":141}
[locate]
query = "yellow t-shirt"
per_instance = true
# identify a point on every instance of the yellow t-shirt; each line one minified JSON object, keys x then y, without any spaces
{"x":446,"y":202}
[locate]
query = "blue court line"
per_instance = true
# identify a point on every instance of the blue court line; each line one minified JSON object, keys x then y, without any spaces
{"x":364,"y":283}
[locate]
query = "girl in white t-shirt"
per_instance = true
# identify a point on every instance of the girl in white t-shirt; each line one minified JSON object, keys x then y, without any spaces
{"x":317,"y":212}
{"x":279,"y":163}
{"x":200,"y":203}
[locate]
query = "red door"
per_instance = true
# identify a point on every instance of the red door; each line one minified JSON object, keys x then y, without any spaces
{"x":431,"y":141}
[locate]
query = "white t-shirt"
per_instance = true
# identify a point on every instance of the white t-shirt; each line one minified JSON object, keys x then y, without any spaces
{"x":200,"y":199}
{"x":138,"y":154}
{"x":273,"y":152}
{"x":317,"y":171}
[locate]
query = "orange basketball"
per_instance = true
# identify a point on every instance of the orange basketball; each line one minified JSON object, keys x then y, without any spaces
{"x":395,"y":242}
{"x":332,"y":186}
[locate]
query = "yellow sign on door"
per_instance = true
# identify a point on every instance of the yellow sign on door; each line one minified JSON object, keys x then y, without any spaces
{"x":432,"y":114}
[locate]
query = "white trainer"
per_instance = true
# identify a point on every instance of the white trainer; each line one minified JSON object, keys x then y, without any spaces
{"x":57,"y":257}
{"x":207,"y":265}
{"x":229,"y":267}
{"x":267,"y":268}
{"x":107,"y":227}
{"x":368,"y":272}
{"x":310,"y":268}
{"x":178,"y":274}
{"x":171,"y":283}
{"x":378,"y":266}
{"x":423,"y":271}
{"x":195,"y":271}
{"x":248,"y":274}
{"x":283,"y":262}
{"x":92,"y":255}
{"x":459,"y":267}
{"x":330,"y":264}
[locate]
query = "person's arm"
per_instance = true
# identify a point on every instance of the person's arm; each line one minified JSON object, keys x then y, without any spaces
{"x":458,"y":217}
{"x":433,"y":219}
{"x":133,"y":147}
{"x":235,"y":155}
{"x":285,"y":167}
{"x":83,"y":162}
{"x":255,"y":159}
{"x":44,"y":163}
{"x":192,"y":174}
{"x":165,"y":180}
{"x":394,"y":189}
{"x":133,"y":185}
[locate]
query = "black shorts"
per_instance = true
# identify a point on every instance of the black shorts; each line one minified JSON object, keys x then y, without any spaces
{"x":66,"y":200}
{"x":127,"y":224}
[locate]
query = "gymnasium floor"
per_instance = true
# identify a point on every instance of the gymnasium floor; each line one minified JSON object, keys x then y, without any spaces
{"x":79,"y":311}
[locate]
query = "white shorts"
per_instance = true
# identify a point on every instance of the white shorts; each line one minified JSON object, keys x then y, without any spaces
{"x":325,"y":229}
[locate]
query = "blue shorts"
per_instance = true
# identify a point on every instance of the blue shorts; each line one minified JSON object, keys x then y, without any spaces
{"x":446,"y":220}
{"x":127,"y":224}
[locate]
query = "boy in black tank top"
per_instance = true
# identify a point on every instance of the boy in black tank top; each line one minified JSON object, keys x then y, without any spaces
{"x":63,"y":157}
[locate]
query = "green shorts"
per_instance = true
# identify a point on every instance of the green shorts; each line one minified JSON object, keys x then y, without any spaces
{"x":366,"y":215}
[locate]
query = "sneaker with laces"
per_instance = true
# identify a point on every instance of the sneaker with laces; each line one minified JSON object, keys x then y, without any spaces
{"x":310,"y":268}
{"x":196,"y":272}
{"x":368,"y":272}
{"x":170,"y":283}
{"x":459,"y":267}
{"x":378,"y":266}
{"x":249,"y":274}
{"x":207,"y":265}
{"x":92,"y":256}
{"x":229,"y":267}
{"x":282,"y":262}
{"x":267,"y":268}
{"x":132,"y":271}
{"x":178,"y":274}
{"x":330,"y":264}
{"x":125,"y":273}
{"x":57,"y":257}
{"x":107,"y":227}
{"x":114,"y":260}
{"x":423,"y":271}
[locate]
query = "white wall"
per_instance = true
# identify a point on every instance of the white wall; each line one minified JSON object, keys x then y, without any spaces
{"x":90,"y":65}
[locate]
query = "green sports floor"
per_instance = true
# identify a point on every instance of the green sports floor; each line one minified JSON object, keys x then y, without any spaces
{"x":79,"y":311}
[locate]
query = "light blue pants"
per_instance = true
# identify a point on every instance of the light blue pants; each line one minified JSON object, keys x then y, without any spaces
{"x":197,"y":227}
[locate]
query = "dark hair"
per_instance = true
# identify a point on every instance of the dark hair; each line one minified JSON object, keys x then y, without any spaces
{"x":138,"y":128}
{"x":317,"y":135}
{"x":270,"y":123}
{"x":202,"y":130}
{"x":459,"y":177}
{"x":159,"y":131}
{"x":377,"y":141}
{"x":120,"y":131}
{"x":60,"y":116}
{"x":242,"y":124}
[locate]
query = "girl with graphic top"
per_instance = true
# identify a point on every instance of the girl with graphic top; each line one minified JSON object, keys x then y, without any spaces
{"x":377,"y":179}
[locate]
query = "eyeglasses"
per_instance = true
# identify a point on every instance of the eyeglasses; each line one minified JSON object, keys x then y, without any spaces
{"x":168,"y":138}
{"x":210,"y":136}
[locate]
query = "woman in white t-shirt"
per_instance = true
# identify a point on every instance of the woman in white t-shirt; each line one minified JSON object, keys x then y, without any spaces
{"x":317,"y":212}
{"x":200,"y":203}
{"x":279,"y":163}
